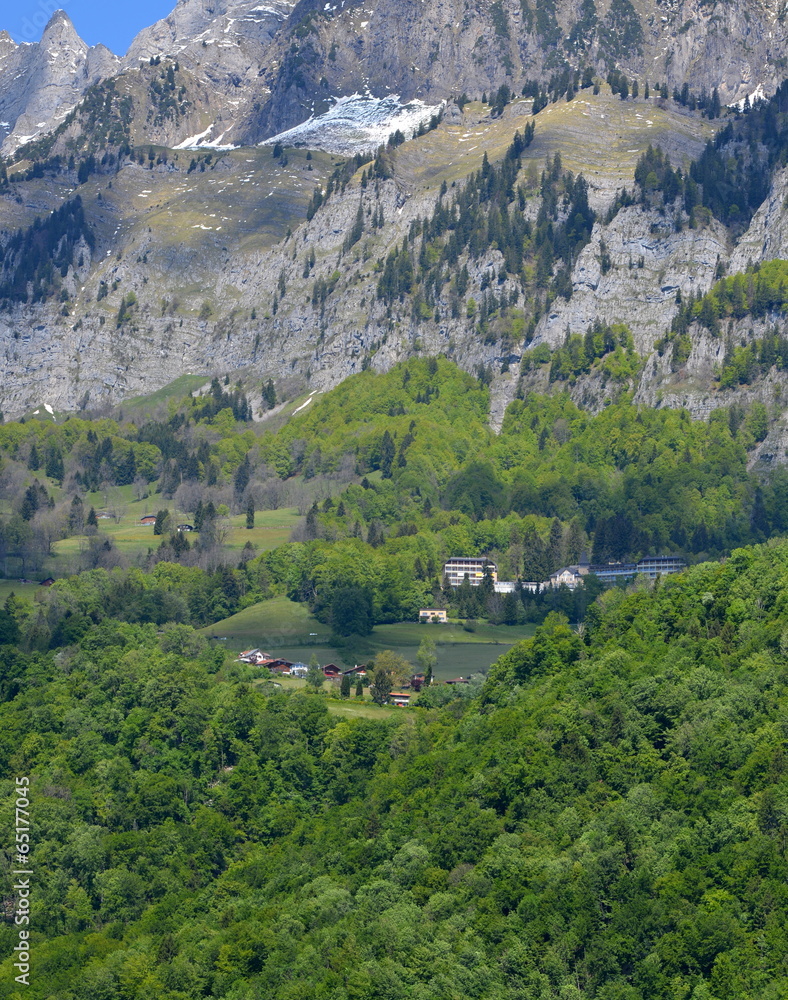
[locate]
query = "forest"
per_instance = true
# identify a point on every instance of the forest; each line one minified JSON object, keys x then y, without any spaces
{"x":605,"y":817}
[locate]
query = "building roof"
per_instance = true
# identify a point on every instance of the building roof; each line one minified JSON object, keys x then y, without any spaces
{"x":469,"y":559}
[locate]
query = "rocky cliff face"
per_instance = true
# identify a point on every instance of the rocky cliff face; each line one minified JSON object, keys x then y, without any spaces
{"x":42,"y":82}
{"x":435,"y":50}
{"x":227,"y":49}
{"x":87,"y":358}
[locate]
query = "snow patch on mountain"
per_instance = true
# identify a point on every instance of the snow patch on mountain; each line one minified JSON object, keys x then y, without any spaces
{"x":201,"y":141}
{"x":358,"y":123}
{"x":757,"y":95}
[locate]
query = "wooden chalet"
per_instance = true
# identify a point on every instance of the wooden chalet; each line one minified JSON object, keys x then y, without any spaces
{"x":277,"y":666}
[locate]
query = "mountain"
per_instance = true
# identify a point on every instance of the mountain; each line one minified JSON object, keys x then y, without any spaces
{"x":41,"y":83}
{"x":226,"y":47}
{"x":444,"y":49}
{"x":176,"y":242}
{"x":261,"y":69}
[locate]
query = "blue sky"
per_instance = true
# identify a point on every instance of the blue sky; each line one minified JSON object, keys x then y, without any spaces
{"x":114,"y":23}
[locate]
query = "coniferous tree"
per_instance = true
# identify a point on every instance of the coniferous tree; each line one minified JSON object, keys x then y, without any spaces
{"x":76,"y":515}
{"x":162,"y":519}
{"x":54,"y":466}
{"x":242,"y":476}
{"x":387,"y":453}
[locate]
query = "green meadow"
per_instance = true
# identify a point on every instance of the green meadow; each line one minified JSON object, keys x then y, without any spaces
{"x":135,"y":540}
{"x":284,"y":628}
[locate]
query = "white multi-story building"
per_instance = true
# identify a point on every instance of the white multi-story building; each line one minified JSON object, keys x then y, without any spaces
{"x":474,"y":568}
{"x":609,"y":573}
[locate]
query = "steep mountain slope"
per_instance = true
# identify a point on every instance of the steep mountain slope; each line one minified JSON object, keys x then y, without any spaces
{"x":41,"y":83}
{"x":226,"y":48}
{"x":451,"y":47}
{"x":215,"y":236}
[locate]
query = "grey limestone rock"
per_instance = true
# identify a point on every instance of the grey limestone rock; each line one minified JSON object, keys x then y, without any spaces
{"x":41,"y":83}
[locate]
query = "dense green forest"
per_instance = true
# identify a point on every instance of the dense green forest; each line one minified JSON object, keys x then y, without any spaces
{"x":605,"y":817}
{"x":759,"y":293}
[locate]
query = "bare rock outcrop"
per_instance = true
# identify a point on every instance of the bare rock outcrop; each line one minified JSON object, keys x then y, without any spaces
{"x":41,"y":83}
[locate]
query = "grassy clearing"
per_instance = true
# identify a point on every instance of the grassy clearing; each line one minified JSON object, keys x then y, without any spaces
{"x":412,"y":633}
{"x":245,"y":196}
{"x":271,"y":529}
{"x":351,"y":708}
{"x":131,"y":538}
{"x":271,"y":625}
{"x":363,"y":710}
{"x":134,"y":540}
{"x":599,"y":135}
{"x":185,"y":385}
{"x":28,"y":590}
{"x":603,"y":137}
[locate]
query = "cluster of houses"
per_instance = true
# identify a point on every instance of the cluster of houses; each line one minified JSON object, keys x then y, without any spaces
{"x":277,"y":665}
{"x":475,"y":570}
{"x":332,"y":672}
